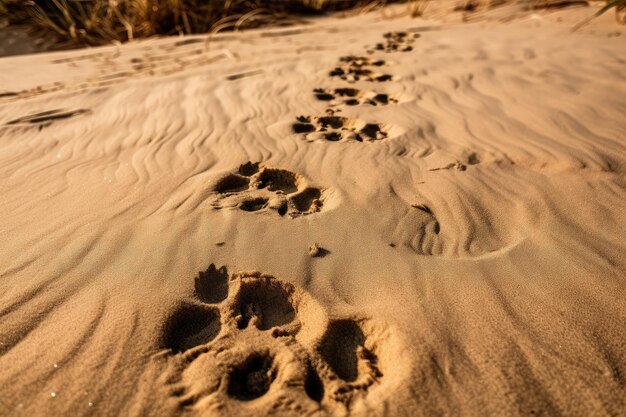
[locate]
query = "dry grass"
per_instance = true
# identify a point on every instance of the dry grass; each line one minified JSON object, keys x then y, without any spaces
{"x":94,"y":22}
{"x":620,"y":13}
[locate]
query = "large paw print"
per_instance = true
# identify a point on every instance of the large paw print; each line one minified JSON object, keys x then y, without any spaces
{"x":250,"y":343}
{"x":396,"y":42}
{"x":352,"y":97}
{"x":254,"y":187}
{"x":336,"y":128}
{"x":356,"y":68}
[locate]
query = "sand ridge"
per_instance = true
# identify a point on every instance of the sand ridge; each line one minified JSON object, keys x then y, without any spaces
{"x":465,"y":182}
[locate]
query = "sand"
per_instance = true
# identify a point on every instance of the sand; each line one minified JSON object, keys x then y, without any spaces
{"x":319,"y":220}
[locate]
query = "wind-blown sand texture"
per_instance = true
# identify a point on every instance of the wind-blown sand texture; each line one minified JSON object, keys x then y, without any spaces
{"x":428,"y":222}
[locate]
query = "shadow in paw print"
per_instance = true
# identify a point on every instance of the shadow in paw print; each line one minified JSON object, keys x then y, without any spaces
{"x":332,"y":122}
{"x":313,"y":385}
{"x":339,"y":348}
{"x":264,"y":304}
{"x":232,"y":183}
{"x":304,"y":200}
{"x":353,"y":97}
{"x":212,"y":285}
{"x":372,"y":130}
{"x":278,"y":180}
{"x":303,"y":128}
{"x":191,"y":325}
{"x":248,"y":169}
{"x":323,"y":95}
{"x":361,"y":61}
{"x":254,"y":204}
{"x":252,"y":378}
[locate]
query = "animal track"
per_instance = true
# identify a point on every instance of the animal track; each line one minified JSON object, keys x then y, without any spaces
{"x":212,"y":285}
{"x":335,"y":128}
{"x":396,"y":42}
{"x":254,"y":188}
{"x":266,"y":336}
{"x":353,"y":97}
{"x":432,"y":230}
{"x":355,"y":68}
{"x":420,"y":230}
{"x":191,"y":325}
{"x":252,"y":378}
{"x":343,"y":349}
{"x":263,"y":303}
{"x":46,"y":118}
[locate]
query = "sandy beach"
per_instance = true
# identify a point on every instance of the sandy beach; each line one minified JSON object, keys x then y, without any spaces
{"x":371,"y":215}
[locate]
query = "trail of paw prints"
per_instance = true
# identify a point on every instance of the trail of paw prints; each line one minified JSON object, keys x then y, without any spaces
{"x":257,"y":188}
{"x":395,"y":42}
{"x":336,"y":128}
{"x":250,"y":343}
{"x":32,"y":92}
{"x":352,"y":97}
{"x":353,"y":68}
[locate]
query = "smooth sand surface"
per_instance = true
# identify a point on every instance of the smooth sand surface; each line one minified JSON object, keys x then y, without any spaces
{"x":435,"y":225}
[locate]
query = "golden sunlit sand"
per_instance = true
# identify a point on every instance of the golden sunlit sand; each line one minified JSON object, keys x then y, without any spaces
{"x":367,"y":216}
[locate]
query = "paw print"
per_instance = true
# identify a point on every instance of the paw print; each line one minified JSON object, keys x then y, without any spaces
{"x":396,"y":42}
{"x":353,"y":97}
{"x":336,"y":128}
{"x":258,"y":188}
{"x":353,"y":68}
{"x":250,"y":343}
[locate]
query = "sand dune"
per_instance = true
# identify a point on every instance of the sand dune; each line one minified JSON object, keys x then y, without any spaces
{"x":391,"y":216}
